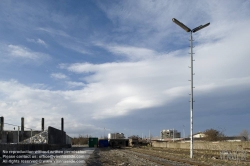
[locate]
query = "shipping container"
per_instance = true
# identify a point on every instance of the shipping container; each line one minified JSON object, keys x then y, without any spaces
{"x":93,"y":142}
{"x":103,"y":143}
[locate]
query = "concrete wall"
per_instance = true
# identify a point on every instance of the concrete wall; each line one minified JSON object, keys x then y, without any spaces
{"x":56,"y":136}
{"x":203,"y":145}
{"x":9,"y":136}
{"x":68,"y":140}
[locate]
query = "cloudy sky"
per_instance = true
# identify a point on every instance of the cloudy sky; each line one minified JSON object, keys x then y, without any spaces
{"x":123,"y":65}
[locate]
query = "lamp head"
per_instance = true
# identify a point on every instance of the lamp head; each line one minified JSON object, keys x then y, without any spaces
{"x":181,"y":25}
{"x":200,"y":27}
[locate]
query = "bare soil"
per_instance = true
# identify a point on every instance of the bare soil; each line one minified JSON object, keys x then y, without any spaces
{"x":148,"y":156}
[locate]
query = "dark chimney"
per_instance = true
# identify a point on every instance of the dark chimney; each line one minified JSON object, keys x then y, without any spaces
{"x":42,"y":124}
{"x":62,"y":124}
{"x":2,"y":123}
{"x":22,"y":124}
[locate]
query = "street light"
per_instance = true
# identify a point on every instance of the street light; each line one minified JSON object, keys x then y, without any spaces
{"x":191,"y":95}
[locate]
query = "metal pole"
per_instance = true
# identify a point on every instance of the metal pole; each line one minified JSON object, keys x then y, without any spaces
{"x":149,"y":135}
{"x":18,"y":134}
{"x":173,"y":134}
{"x":104,"y":133}
{"x":184,"y":131}
{"x":191,"y":95}
{"x":191,"y":99}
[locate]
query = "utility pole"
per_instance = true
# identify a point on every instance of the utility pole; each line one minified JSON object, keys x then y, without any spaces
{"x":192,"y":87}
{"x":173,"y":134}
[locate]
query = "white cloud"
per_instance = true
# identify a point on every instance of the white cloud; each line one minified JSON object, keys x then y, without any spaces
{"x":58,"y":76}
{"x":123,"y":92}
{"x":149,"y":23}
{"x":118,"y":89}
{"x":39,"y":86}
{"x":154,"y":78}
{"x":22,"y":52}
{"x":131,"y":52}
{"x":76,"y":46}
{"x":67,"y":41}
{"x":123,"y":87}
{"x":38,"y":41}
{"x":18,"y":100}
{"x":54,"y":32}
{"x":73,"y":84}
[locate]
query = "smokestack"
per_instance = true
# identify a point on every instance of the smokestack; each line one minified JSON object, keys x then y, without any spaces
{"x":2,"y":123}
{"x":22,"y":129}
{"x":1,"y":127}
{"x":62,"y":124}
{"x":42,"y":124}
{"x":22,"y":124}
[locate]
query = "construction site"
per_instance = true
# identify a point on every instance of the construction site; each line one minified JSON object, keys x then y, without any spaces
{"x":29,"y":140}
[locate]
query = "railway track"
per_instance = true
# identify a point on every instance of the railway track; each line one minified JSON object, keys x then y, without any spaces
{"x":159,"y":157}
{"x":164,"y":159}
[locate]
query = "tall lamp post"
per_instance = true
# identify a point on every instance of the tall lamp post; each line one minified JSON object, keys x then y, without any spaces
{"x":191,"y":95}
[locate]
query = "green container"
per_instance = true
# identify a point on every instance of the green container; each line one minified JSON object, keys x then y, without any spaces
{"x":93,"y":142}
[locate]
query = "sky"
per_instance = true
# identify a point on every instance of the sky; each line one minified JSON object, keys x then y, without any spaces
{"x":123,"y":66}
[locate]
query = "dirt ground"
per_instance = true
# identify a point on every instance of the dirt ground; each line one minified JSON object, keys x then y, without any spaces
{"x":156,"y":157}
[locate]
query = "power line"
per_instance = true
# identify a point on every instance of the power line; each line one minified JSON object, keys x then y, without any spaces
{"x":18,"y":126}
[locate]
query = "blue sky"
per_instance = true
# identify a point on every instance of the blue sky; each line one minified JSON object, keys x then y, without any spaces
{"x":123,"y":65}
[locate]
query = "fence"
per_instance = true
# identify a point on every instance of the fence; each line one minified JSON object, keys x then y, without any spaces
{"x":203,"y":145}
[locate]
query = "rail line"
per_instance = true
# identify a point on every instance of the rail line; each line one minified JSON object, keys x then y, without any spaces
{"x":158,"y":159}
{"x":163,"y":159}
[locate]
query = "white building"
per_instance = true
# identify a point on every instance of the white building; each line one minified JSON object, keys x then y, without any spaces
{"x":116,"y":136}
{"x":199,"y":135}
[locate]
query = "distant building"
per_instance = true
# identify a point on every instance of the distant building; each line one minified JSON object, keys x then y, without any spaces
{"x":134,"y":140}
{"x":165,"y":134}
{"x":117,"y":140}
{"x":235,"y":139}
{"x":116,"y":136}
{"x":199,"y":135}
{"x":134,"y":137}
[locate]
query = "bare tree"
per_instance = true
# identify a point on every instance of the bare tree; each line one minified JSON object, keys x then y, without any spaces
{"x":214,"y":135}
{"x":244,"y":133}
{"x":81,"y":140}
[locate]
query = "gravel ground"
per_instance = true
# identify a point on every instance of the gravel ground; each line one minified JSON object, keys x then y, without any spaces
{"x":107,"y":157}
{"x":120,"y":157}
{"x":133,"y":157}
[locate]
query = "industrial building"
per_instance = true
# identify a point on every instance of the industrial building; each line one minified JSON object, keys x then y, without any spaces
{"x":22,"y":136}
{"x":117,"y":140}
{"x":50,"y":139}
{"x":171,"y":133}
{"x":116,"y":136}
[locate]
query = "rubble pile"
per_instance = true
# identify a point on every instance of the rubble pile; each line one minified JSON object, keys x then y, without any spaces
{"x":41,"y":138}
